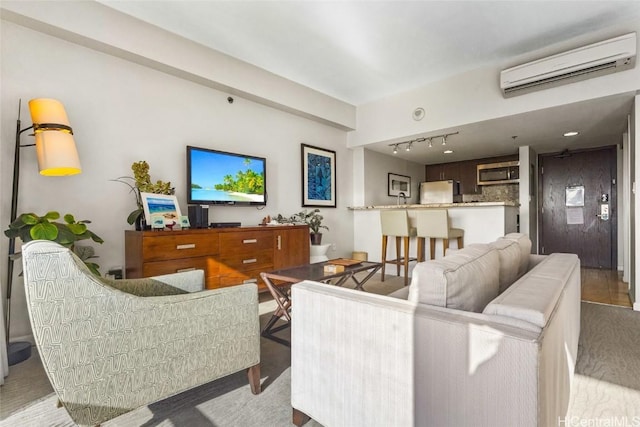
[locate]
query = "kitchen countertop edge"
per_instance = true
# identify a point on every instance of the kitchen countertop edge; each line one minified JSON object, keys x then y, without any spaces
{"x":435,"y":205}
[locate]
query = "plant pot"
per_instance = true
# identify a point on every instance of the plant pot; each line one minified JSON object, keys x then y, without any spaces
{"x":316,"y":238}
{"x":141,"y":223}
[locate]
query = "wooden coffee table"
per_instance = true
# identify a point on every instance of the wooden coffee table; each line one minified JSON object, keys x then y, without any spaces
{"x":286,"y":277}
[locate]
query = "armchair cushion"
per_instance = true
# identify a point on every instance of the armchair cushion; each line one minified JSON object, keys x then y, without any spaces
{"x":143,"y":287}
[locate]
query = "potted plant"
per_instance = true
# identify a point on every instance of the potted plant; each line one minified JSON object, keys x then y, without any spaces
{"x":29,"y":226}
{"x":312,"y":218}
{"x":141,"y":182}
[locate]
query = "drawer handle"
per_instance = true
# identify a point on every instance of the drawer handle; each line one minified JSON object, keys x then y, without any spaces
{"x":182,"y":270}
{"x":187,"y":246}
{"x":250,"y":281}
{"x":250,"y":241}
{"x":249,"y":261}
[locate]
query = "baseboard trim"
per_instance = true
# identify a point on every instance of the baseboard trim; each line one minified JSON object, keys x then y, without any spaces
{"x":636,"y":306}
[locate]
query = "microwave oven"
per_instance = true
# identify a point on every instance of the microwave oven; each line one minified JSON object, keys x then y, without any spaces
{"x":499,"y":173}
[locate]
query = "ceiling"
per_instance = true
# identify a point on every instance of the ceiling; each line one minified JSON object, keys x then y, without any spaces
{"x":360,"y":51}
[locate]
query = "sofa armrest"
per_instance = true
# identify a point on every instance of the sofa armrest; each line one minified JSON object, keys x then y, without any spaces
{"x":535,"y":259}
{"x":351,"y":357}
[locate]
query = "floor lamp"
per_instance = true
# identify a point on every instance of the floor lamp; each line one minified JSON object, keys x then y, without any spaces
{"x":57,"y":156}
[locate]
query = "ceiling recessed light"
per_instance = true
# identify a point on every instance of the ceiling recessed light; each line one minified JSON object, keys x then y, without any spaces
{"x":572,"y":133}
{"x":448,"y":151}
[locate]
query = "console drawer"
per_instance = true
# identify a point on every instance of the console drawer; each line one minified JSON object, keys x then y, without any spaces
{"x":173,"y":247}
{"x":240,"y":243}
{"x":255,"y":260}
{"x":232,"y":278}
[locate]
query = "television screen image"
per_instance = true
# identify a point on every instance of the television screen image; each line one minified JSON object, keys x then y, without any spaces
{"x":218,"y":177}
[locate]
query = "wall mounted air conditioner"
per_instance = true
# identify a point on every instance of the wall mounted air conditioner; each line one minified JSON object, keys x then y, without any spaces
{"x":597,"y":59}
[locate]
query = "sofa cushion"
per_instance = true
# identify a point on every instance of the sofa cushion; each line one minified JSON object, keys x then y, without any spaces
{"x":465,"y":280}
{"x":509,"y":255}
{"x":534,"y":296}
{"x":525,"y":250}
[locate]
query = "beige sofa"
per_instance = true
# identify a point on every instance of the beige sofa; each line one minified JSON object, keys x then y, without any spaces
{"x":486,"y":336}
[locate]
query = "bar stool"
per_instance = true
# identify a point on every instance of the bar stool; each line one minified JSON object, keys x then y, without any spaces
{"x":435,"y":224}
{"x":396,"y":223}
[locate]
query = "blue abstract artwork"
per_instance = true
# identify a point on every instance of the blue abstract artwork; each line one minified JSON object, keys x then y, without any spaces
{"x":318,"y":177}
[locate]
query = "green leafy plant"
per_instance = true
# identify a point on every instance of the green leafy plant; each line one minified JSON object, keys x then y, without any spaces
{"x":29,"y":226}
{"x":140,"y":182}
{"x":312,"y":218}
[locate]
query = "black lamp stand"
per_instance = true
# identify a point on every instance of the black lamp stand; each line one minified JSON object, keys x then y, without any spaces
{"x":17,"y":351}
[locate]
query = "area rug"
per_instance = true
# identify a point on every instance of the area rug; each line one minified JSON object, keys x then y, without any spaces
{"x":607,"y":386}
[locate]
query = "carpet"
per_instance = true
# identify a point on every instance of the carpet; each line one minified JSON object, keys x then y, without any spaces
{"x":607,"y":386}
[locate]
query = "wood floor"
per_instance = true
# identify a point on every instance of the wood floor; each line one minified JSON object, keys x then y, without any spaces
{"x":605,"y":287}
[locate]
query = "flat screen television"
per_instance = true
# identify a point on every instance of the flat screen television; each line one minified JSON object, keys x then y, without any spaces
{"x":221,"y":178}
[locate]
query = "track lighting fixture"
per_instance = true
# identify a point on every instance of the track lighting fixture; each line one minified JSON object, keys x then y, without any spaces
{"x":429,"y":140}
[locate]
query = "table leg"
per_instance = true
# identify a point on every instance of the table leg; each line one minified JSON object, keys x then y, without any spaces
{"x":281,"y":296}
{"x":367,"y":277}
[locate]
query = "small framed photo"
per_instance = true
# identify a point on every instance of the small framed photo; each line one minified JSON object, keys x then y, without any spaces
{"x":318,"y":177}
{"x":399,"y":184}
{"x":157,"y":206}
{"x":184,"y":222}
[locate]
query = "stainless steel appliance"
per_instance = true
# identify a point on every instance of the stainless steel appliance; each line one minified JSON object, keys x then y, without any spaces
{"x":440,"y":192}
{"x":499,"y":173}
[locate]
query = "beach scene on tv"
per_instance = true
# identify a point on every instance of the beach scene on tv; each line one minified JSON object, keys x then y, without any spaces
{"x":225,"y":177}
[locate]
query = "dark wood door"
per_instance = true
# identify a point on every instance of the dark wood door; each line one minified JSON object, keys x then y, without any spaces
{"x":579,"y":230}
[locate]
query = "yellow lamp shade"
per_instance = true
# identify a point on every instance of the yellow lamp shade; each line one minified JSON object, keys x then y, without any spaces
{"x":45,"y":110}
{"x":57,"y":154}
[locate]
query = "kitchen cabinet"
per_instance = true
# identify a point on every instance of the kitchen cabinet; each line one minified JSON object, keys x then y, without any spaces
{"x":468,"y":178}
{"x":464,"y":172}
{"x":443,"y":171}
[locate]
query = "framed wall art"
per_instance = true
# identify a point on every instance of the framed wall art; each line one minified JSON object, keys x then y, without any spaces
{"x":318,"y":177}
{"x":158,"y":206}
{"x":399,"y":184}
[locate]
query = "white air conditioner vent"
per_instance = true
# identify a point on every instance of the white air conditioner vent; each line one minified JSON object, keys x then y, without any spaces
{"x":594,"y":60}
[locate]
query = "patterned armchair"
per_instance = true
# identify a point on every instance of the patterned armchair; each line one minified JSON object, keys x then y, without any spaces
{"x":111,"y":346}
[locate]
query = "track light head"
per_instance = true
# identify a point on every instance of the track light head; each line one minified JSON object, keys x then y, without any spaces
{"x":395,"y":149}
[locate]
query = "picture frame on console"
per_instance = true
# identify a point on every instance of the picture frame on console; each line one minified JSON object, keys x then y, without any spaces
{"x":398,"y":184}
{"x":161,"y":204}
{"x":318,"y":177}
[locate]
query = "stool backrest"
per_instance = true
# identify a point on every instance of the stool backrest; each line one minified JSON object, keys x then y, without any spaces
{"x":433,"y":223}
{"x":394,"y":223}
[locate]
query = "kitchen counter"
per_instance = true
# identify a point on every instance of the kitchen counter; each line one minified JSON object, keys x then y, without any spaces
{"x":436,"y":205}
{"x":482,"y":222}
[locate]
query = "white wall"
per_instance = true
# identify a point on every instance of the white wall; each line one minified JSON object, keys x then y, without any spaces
{"x":528,"y":201}
{"x":634,"y":137}
{"x":122,"y":112}
{"x":475,"y":96}
{"x":377,"y":167}
{"x":91,"y":24}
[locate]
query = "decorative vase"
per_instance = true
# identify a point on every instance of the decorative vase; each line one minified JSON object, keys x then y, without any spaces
{"x":316,"y":238}
{"x":141,"y":223}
